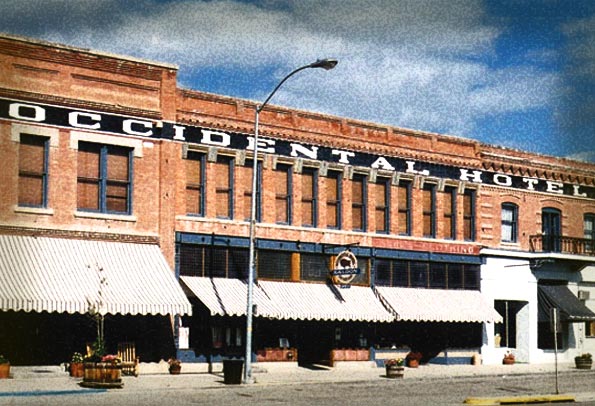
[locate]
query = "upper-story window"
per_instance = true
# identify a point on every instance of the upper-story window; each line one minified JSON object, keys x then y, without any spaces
{"x":283,"y":190}
{"x":309,"y":197}
{"x":551,"y":228}
{"x":104,"y":180}
{"x":195,"y":183}
{"x":224,"y":186}
{"x":509,"y":222}
{"x":449,"y":210}
{"x":358,"y":202}
{"x":33,"y":171}
{"x":429,"y":210}
{"x":469,"y":215}
{"x":247,"y":182}
{"x":382,"y":205}
{"x":333,"y":199}
{"x":589,"y":232}
{"x":404,"y":207}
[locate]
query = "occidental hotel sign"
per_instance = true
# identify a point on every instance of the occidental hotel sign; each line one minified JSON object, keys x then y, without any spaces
{"x":139,"y":127}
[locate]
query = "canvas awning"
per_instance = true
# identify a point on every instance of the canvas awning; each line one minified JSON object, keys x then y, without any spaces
{"x":288,"y":300}
{"x":559,"y":296}
{"x":410,"y":304}
{"x":65,"y":275}
{"x":316,"y":301}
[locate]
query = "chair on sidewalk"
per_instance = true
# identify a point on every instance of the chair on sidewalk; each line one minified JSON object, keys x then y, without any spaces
{"x":130,"y":362}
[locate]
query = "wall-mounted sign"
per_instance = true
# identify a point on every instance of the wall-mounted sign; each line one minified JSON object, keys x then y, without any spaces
{"x":142,"y":127}
{"x":345,"y":268}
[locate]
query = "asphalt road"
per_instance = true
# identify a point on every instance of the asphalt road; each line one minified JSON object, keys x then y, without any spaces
{"x":383,"y":391}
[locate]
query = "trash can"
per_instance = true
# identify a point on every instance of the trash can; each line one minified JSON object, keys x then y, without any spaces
{"x":232,"y":371}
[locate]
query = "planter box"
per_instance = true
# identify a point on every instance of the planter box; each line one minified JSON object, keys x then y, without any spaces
{"x":76,"y":369}
{"x":277,"y":355}
{"x":5,"y":370}
{"x":102,"y":375}
{"x":582,"y":363}
{"x":393,"y":371}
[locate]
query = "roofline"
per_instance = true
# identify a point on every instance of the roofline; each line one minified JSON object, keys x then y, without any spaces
{"x":56,"y":45}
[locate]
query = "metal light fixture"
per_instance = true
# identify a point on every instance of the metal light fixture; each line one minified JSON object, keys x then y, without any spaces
{"x":325,"y":64}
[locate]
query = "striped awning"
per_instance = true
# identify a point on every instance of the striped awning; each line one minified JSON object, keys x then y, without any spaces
{"x":289,"y":300}
{"x":223,"y":297}
{"x":316,"y":301}
{"x":410,"y":304}
{"x":78,"y":276}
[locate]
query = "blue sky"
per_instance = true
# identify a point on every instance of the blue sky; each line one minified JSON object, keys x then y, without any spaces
{"x":517,"y":73}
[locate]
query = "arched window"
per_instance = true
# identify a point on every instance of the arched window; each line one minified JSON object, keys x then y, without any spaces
{"x":551,"y":228}
{"x":510,"y":215}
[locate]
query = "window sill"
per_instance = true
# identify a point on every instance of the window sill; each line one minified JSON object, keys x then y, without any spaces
{"x":34,"y":210}
{"x":105,"y":216}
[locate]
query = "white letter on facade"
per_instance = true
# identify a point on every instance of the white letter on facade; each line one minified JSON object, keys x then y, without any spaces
{"x":476,"y":177}
{"x":555,"y":187}
{"x":207,"y":138}
{"x":179,"y":135}
{"x":343,"y":154}
{"x":14,"y":111}
{"x":531,"y":183}
{"x":502,"y":180}
{"x":127,"y":127}
{"x":312,"y":154}
{"x":576,"y":191}
{"x":410,"y":169}
{"x":382,"y":163}
{"x":73,"y":120}
{"x":263,"y":145}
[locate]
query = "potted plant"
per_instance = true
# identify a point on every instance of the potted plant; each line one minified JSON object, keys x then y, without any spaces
{"x":583,"y":361}
{"x":508,"y":358}
{"x":175,"y":366}
{"x":76,"y":365}
{"x":394,"y":368}
{"x":4,"y":367}
{"x":413,"y":359}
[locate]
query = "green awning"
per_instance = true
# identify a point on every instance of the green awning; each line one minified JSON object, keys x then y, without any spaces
{"x":559,"y":296}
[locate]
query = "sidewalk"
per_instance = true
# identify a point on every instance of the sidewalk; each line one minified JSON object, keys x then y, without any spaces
{"x":195,"y":376}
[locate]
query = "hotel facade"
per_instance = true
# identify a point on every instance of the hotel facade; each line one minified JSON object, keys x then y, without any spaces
{"x":128,"y":196}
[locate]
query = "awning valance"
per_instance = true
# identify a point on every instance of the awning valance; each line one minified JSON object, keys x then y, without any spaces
{"x":289,"y":300}
{"x":559,"y":296}
{"x":74,"y":276}
{"x":410,"y":304}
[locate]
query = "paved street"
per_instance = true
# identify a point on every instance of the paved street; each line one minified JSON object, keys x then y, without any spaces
{"x":281,"y":384}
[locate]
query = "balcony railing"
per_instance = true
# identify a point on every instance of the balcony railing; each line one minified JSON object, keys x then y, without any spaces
{"x":562,"y":244}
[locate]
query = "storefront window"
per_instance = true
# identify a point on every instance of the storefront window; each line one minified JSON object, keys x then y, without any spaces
{"x":274,"y":265}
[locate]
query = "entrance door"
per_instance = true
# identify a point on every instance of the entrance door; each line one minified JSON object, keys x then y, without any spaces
{"x":551,"y":229}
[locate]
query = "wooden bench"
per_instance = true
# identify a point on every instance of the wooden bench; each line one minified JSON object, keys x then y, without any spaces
{"x":130,"y":362}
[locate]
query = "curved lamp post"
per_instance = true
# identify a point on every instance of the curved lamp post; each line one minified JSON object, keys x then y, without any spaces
{"x":326,"y":64}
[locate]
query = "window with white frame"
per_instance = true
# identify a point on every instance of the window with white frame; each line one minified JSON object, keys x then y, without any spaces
{"x":509,"y":214}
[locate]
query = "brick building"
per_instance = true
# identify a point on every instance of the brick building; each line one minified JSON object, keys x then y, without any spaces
{"x":452,"y":246}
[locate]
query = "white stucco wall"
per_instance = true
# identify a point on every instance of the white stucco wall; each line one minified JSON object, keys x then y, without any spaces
{"x":510,"y":278}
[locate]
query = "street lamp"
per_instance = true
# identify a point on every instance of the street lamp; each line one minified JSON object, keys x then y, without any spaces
{"x":326,"y":64}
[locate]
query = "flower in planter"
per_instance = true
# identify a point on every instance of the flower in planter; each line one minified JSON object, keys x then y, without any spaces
{"x":111,"y":358}
{"x":3,"y":359}
{"x":586,"y":357}
{"x":77,"y":358}
{"x":413,"y":359}
{"x":175,"y":365}
{"x":394,"y":362}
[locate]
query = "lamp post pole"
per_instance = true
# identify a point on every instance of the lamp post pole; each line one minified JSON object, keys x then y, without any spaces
{"x":326,"y":64}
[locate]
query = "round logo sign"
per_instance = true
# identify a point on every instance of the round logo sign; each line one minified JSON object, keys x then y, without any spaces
{"x":345,"y":268}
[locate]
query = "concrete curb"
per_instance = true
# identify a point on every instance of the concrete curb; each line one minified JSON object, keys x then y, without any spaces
{"x":519,"y":400}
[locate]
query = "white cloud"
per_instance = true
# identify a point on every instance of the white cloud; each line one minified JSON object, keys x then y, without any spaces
{"x":408,"y":63}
